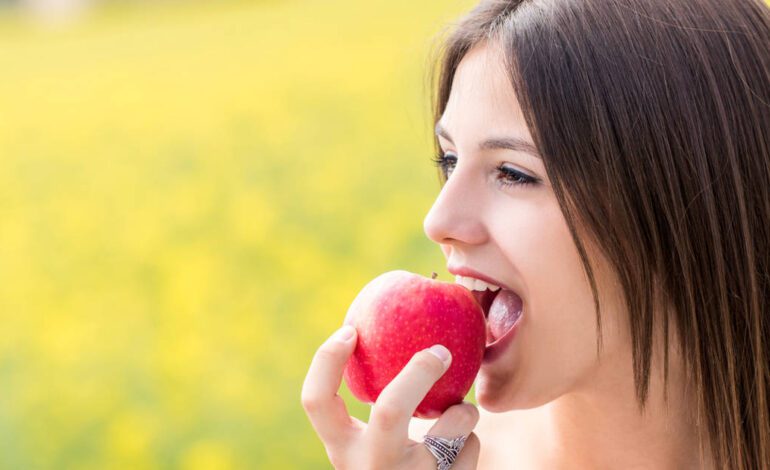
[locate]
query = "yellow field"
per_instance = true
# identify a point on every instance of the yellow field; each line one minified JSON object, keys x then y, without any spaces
{"x":190,"y":197}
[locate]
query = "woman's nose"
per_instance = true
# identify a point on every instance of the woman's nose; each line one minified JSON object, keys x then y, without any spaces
{"x":456,"y":215}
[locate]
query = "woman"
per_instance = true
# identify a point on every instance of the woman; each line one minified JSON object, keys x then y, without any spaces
{"x":607,"y":161}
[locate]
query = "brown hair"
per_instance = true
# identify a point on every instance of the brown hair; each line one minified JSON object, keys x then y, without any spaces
{"x":654,"y":115}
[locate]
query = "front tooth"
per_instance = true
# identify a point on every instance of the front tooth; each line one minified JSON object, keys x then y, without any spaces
{"x":464,"y":281}
{"x":480,"y":285}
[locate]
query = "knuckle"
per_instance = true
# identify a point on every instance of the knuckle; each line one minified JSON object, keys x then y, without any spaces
{"x":467,"y":414}
{"x":387,"y":415}
{"x":310,"y":402}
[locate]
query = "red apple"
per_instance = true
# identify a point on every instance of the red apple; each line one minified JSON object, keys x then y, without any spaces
{"x":398,"y":314}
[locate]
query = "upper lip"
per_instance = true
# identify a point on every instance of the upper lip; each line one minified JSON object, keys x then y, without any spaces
{"x":468,"y":272}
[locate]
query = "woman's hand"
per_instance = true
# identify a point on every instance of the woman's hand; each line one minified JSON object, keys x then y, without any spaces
{"x":383,"y":443}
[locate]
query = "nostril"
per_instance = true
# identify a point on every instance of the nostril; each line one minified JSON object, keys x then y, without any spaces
{"x":438,"y":230}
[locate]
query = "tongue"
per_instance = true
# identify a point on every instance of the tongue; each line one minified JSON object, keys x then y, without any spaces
{"x":505,"y":310}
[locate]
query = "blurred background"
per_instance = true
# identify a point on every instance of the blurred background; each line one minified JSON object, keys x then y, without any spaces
{"x":191,"y":194}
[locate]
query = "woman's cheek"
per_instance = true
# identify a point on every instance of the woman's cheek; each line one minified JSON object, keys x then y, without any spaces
{"x":558,"y":345}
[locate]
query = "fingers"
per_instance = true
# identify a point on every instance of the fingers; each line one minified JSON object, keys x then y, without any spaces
{"x":469,"y":456}
{"x":391,"y":413}
{"x":468,"y":459}
{"x":458,"y":420}
{"x":324,"y":407}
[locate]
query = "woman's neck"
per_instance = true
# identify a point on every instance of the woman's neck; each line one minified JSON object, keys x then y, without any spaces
{"x":607,"y":430}
{"x":599,"y":426}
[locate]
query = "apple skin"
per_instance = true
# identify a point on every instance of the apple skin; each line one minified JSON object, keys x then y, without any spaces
{"x":400,"y":313}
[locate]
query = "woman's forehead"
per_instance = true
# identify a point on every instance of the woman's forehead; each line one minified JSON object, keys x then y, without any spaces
{"x":482,"y":97}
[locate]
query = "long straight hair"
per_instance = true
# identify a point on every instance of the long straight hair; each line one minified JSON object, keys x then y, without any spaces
{"x":653,"y":119}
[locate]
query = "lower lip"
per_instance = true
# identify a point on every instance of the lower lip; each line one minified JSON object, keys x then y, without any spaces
{"x":500,"y":345}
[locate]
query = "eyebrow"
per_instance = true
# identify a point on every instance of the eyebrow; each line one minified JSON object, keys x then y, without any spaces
{"x":511,"y":143}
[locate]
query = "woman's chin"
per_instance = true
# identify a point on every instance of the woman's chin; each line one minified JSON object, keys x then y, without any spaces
{"x":493,"y":395}
{"x":490,"y":405}
{"x":499,"y":396}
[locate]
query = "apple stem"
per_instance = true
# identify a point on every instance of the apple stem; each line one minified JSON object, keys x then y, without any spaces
{"x":434,"y":275}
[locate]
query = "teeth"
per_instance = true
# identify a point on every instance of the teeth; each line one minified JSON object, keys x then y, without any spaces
{"x":466,"y":282}
{"x":471,"y":283}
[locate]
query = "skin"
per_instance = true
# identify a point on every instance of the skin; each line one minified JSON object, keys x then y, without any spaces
{"x":383,"y":442}
{"x":568,"y":408}
{"x":548,"y":401}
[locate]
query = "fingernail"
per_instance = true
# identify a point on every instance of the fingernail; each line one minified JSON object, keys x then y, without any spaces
{"x":441,"y":352}
{"x":345,"y":333}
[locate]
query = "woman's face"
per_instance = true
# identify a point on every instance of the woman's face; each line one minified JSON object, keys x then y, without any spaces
{"x":486,"y":220}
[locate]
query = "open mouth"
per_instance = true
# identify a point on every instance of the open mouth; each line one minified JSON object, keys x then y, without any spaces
{"x":502,"y":307}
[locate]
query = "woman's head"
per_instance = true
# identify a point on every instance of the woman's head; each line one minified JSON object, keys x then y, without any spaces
{"x":645,"y":217}
{"x":497,"y":214}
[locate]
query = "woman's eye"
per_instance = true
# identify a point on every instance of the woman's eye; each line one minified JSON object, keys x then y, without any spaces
{"x":510,"y":177}
{"x":507,"y":176}
{"x":446,"y":163}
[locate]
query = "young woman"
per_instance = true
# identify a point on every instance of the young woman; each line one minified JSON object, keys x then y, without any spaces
{"x":607,"y":164}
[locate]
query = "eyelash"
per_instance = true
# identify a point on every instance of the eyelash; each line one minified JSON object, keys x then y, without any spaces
{"x":509,"y":177}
